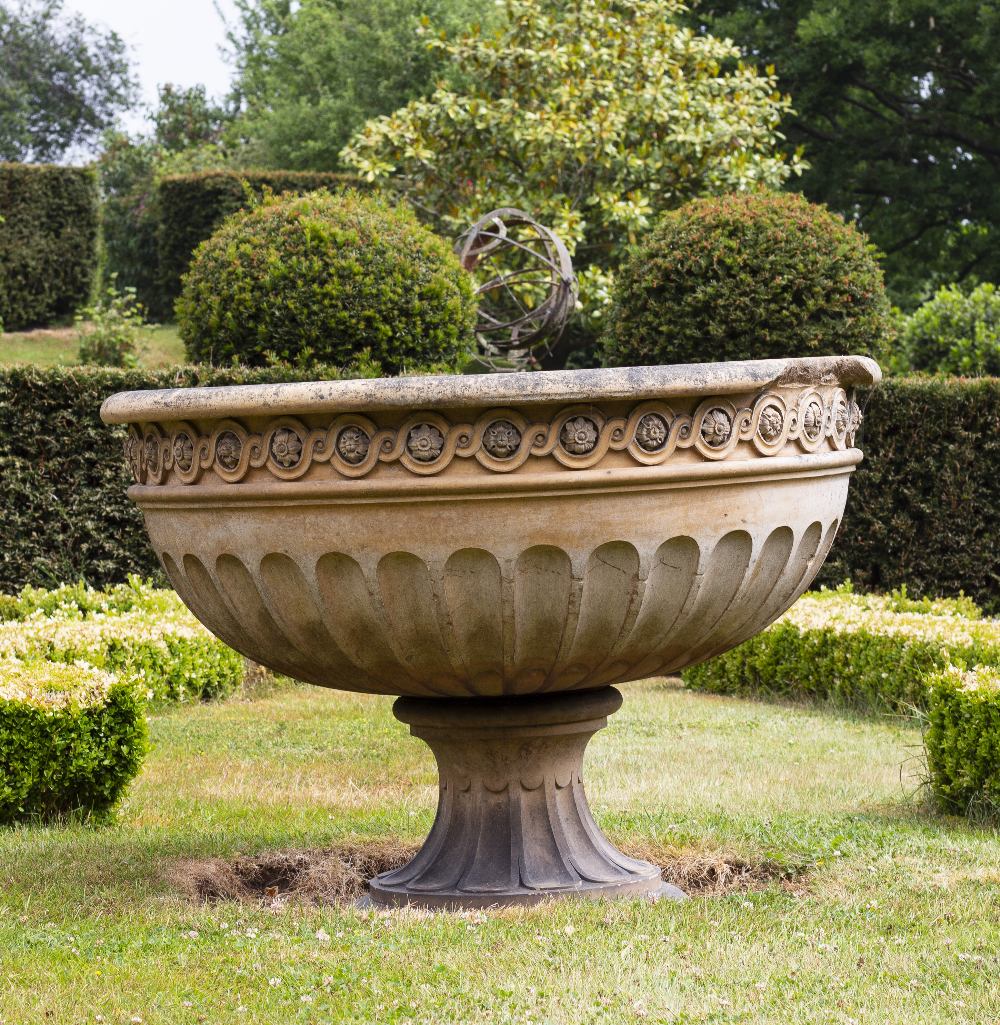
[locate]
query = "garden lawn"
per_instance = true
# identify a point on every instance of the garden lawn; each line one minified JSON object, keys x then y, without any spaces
{"x":896,"y":918}
{"x":161,"y":346}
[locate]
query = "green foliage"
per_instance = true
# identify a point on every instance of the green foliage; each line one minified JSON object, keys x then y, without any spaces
{"x":71,"y":740}
{"x":924,"y":507}
{"x":48,"y":242}
{"x":852,"y":651}
{"x":62,"y":81}
{"x":137,"y":633}
{"x":325,"y":277}
{"x":899,"y":600}
{"x":127,"y":170}
{"x":190,"y":207}
{"x":75,"y":601}
{"x":309,"y":75}
{"x":187,"y":137}
{"x":896,"y":110}
{"x":63,"y":476}
{"x":109,"y":331}
{"x":956,"y":332}
{"x":594,"y":116}
{"x":747,"y":276}
{"x":962,"y":741}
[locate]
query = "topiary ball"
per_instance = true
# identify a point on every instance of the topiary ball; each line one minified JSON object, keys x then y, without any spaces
{"x":320,"y":278}
{"x":747,"y":276}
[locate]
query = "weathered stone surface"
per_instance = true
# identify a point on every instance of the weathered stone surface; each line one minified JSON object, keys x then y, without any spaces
{"x":513,"y":822}
{"x":497,"y":537}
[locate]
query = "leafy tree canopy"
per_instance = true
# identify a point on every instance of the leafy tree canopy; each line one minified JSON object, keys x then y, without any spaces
{"x":62,"y":81}
{"x":594,"y":116}
{"x":187,"y":134}
{"x":309,"y":74}
{"x":896,"y":109}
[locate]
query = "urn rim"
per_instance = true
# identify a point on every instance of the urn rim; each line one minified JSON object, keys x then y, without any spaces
{"x":456,"y":391}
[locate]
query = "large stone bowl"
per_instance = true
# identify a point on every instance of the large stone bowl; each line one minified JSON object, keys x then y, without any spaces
{"x":499,"y":551}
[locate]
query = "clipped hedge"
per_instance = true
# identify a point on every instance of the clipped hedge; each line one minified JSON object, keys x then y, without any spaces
{"x":155,"y":644}
{"x":866,"y":652}
{"x":63,"y":476}
{"x":924,"y":506}
{"x":325,"y":278}
{"x":76,"y":601}
{"x":72,"y":737}
{"x":48,"y":242}
{"x":962,"y":740}
{"x":189,"y":207}
{"x":747,"y":276}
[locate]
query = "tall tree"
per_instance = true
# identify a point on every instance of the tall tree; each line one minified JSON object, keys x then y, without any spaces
{"x":62,"y":81}
{"x":595,"y":116}
{"x":187,"y":135}
{"x":897,"y":109}
{"x":308,"y":74}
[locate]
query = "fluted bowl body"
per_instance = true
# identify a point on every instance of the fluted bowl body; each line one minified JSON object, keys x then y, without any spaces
{"x":510,"y":534}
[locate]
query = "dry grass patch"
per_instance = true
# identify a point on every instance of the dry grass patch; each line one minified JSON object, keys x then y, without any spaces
{"x":339,"y":875}
{"x":332,"y":876}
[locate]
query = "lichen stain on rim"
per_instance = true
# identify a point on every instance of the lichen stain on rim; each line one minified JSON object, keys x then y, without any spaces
{"x":455,"y":391}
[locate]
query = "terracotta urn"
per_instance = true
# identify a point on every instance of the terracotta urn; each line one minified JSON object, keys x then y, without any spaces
{"x":499,"y":551}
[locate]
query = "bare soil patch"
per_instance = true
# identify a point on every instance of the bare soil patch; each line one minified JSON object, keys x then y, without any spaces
{"x":340,"y":875}
{"x":333,"y":876}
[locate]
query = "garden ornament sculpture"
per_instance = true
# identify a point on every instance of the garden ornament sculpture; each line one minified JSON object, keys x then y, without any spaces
{"x":527,"y":289}
{"x":499,"y":551}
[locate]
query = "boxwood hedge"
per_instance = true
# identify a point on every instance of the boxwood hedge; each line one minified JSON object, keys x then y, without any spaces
{"x":189,"y":207}
{"x":322,"y":278}
{"x":963,"y":740}
{"x":71,"y":739}
{"x":872,"y":653}
{"x":924,"y":506}
{"x":746,"y":276}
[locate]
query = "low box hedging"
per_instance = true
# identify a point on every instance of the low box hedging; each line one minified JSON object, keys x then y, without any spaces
{"x":191,"y":206}
{"x":48,"y":242}
{"x":867,"y":652}
{"x":962,"y":740}
{"x":924,"y":506}
{"x":71,"y":739}
{"x":74,"y":601}
{"x":143,"y":635}
{"x":63,"y":476}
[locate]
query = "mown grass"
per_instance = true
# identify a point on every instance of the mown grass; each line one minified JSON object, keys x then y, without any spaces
{"x":161,"y":346}
{"x":896,"y":918}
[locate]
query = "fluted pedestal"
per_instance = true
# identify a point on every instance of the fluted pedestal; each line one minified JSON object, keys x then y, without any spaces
{"x":513,"y":825}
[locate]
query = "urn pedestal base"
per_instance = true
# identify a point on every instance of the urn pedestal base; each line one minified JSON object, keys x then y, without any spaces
{"x":513,"y":825}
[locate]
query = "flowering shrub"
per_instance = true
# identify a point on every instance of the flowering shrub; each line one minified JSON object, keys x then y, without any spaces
{"x":142,"y":634}
{"x":963,"y":739}
{"x":71,"y":738}
{"x":872,"y":652}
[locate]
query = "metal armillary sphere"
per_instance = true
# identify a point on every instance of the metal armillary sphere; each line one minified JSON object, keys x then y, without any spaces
{"x":527,"y":289}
